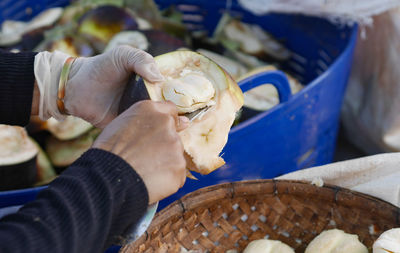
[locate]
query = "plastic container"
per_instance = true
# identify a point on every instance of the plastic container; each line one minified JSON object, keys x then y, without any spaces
{"x":301,"y":131}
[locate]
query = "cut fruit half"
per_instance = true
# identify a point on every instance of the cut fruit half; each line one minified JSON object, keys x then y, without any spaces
{"x":72,"y":127}
{"x":192,"y":82}
{"x":68,"y":129}
{"x":161,"y":42}
{"x":234,"y":68}
{"x":388,"y":242}
{"x":17,"y":158}
{"x":99,"y":25}
{"x":131,"y":38}
{"x":64,"y":153}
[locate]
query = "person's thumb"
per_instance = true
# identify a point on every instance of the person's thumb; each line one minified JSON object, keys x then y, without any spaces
{"x":183,"y":123}
{"x":139,"y":62}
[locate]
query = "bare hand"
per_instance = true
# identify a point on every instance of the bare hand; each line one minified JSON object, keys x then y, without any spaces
{"x":146,"y":137}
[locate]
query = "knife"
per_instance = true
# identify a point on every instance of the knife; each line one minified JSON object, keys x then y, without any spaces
{"x":136,"y":91}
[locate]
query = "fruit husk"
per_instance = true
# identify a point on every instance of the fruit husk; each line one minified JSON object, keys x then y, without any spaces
{"x":64,"y":153}
{"x":162,"y":42}
{"x":139,"y":89}
{"x":249,"y":111}
{"x":29,"y":41}
{"x":77,"y":127}
{"x":45,"y":171}
{"x":74,"y":46}
{"x":269,"y":49}
{"x":146,"y":9}
{"x":134,"y":39}
{"x":173,"y":27}
{"x":18,"y":176}
{"x":235,"y":69}
{"x":36,"y":125}
{"x":102,"y":23}
{"x":24,"y":35}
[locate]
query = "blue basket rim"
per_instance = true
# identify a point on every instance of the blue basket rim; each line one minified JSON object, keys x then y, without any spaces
{"x":22,"y":191}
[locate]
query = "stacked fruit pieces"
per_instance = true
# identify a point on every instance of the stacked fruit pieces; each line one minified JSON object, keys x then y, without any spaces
{"x":193,"y":81}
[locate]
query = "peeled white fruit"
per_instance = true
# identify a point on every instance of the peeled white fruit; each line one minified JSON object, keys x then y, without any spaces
{"x":253,"y":40}
{"x":12,"y":31}
{"x":241,"y":33}
{"x":336,"y":241}
{"x":267,"y":246}
{"x":18,"y":168}
{"x":192,"y":82}
{"x":131,"y":38}
{"x":388,"y":242}
{"x":234,"y":68}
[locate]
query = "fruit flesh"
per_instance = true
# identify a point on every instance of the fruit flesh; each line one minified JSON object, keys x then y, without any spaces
{"x":190,"y":91}
{"x":206,"y":135}
{"x":388,"y":242}
{"x":267,"y":246}
{"x":68,"y":129}
{"x":211,"y":132}
{"x":101,"y":24}
{"x":233,"y":67}
{"x":336,"y":241}
{"x":17,"y":158}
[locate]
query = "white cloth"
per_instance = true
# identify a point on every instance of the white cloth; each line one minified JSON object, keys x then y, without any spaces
{"x":344,"y":11}
{"x":377,"y":175}
{"x":47,"y":69}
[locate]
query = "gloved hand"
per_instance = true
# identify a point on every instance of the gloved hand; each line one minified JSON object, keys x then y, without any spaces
{"x":95,"y":84}
{"x":146,"y":137}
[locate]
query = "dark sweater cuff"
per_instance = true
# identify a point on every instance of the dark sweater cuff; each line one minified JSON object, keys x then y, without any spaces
{"x":131,"y":195}
{"x":16,"y":89}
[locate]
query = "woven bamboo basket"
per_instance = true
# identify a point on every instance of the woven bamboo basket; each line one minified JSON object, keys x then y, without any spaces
{"x":229,"y":216}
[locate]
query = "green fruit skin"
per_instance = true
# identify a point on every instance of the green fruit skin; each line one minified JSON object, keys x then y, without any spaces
{"x":18,"y":176}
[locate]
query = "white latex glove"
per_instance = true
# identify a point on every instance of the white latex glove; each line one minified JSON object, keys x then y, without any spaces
{"x":95,"y":84}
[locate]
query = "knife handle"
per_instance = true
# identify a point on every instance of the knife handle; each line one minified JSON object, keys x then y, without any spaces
{"x":135,"y":91}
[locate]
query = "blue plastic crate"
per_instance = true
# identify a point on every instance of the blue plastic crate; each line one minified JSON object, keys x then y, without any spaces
{"x":300,"y":132}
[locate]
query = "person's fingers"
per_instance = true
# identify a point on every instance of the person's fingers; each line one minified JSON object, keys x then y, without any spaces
{"x":166,"y":107}
{"x":183,"y":123}
{"x":140,"y":62}
{"x":150,"y":72}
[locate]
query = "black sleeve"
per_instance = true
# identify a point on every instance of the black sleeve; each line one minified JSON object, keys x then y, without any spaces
{"x":16,"y":87}
{"x":91,"y":204}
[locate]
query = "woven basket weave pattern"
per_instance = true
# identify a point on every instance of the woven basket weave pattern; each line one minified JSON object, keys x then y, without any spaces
{"x":229,"y":216}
